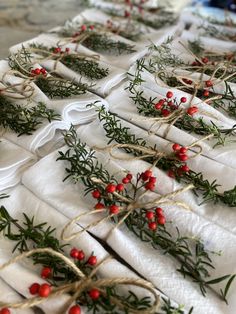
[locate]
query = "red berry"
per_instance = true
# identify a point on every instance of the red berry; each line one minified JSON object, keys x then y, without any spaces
{"x":169,"y":94}
{"x":83,"y":28}
{"x":75,"y":310}
{"x":209,"y":83}
{"x":127,"y":13}
{"x":165,"y":112}
{"x":152,"y":225}
{"x":99,"y":206}
{"x":94,"y":294}
{"x":5,"y":311}
{"x":183,"y":99}
{"x":183,"y":157}
{"x":192,"y":110}
{"x":81,"y":255}
{"x":183,"y":150}
{"x":74,"y":253}
{"x":125,"y":180}
{"x":146,"y":175}
{"x":67,"y":49}
{"x":129,"y":176}
{"x":149,"y":186}
{"x":92,"y":260}
{"x":96,"y":194}
{"x":159,"y":211}
{"x":206,"y":93}
{"x":34,"y":288}
{"x":46,"y":272}
{"x":91,"y":27}
{"x":114,"y":209}
{"x":110,"y":188}
{"x":184,"y":168}
{"x":161,"y":220}
{"x":171,"y":174}
{"x":44,"y":290}
{"x":57,"y":50}
{"x":152,"y":180}
{"x":205,"y":60}
{"x":160,"y":104}
{"x":194,"y":63}
{"x":37,"y":71}
{"x":176,"y":147}
{"x":120,"y":187}
{"x":149,"y":215}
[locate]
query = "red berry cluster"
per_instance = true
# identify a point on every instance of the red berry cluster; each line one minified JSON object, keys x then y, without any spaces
{"x":148,"y":179}
{"x":59,"y":50}
{"x":42,"y":290}
{"x":167,"y":105}
{"x":39,"y":71}
{"x":80,"y":256}
{"x":181,"y":154}
{"x":155,"y":217}
{"x":83,"y":29}
{"x":5,"y":311}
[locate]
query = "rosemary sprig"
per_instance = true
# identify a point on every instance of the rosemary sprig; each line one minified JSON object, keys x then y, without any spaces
{"x":52,"y":85}
{"x":23,"y":120}
{"x":30,"y":235}
{"x":115,"y":131}
{"x":186,"y":122}
{"x":80,"y":64}
{"x":191,"y":255}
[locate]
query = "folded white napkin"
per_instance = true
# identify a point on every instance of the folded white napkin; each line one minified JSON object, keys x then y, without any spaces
{"x":22,"y":200}
{"x":13,"y":161}
{"x":9,"y":295}
{"x":147,"y":35}
{"x":121,"y":104}
{"x":69,"y":199}
{"x":102,"y":86}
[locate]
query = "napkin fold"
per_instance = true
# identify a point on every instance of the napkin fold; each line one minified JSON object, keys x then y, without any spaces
{"x":13,"y":161}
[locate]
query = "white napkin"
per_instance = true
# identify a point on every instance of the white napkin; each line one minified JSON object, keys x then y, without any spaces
{"x":13,"y":161}
{"x":121,"y":104}
{"x":23,"y":199}
{"x":161,"y":269}
{"x":102,"y":86}
{"x":147,"y":34}
{"x":9,"y":295}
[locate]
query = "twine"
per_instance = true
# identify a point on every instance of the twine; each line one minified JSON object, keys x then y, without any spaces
{"x":83,"y":284}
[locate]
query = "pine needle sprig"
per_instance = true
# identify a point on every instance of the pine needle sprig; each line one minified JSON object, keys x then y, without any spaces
{"x":24,"y":120}
{"x":123,"y":135}
{"x":190,"y":253}
{"x":28,"y":235}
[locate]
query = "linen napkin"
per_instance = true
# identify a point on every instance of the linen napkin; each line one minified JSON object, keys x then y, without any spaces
{"x":146,"y":34}
{"x":9,"y":295}
{"x":124,"y":107}
{"x":160,"y":269}
{"x":22,"y":199}
{"x":13,"y":161}
{"x":101,"y":86}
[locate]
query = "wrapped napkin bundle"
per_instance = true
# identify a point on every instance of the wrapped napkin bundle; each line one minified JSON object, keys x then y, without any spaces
{"x":121,"y":104}
{"x":108,"y":77}
{"x":13,"y":161}
{"x":47,"y":136}
{"x":161,"y":270}
{"x":21,"y":275}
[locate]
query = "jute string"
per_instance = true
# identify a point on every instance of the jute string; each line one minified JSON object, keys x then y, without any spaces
{"x":83,"y":284}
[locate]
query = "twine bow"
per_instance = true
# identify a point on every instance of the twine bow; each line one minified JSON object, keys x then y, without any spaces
{"x":83,"y":284}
